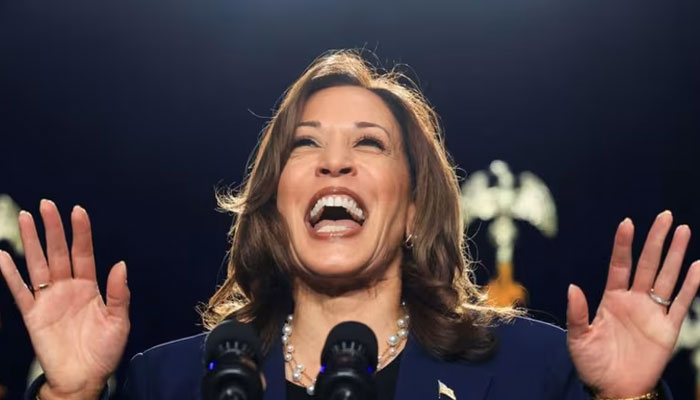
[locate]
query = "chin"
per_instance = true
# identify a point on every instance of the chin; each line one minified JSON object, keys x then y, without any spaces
{"x":339,"y":274}
{"x":339,"y":264}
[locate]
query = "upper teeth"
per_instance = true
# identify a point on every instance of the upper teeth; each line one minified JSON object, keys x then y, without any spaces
{"x":347,"y":202}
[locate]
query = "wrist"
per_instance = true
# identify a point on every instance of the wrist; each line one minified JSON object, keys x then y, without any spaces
{"x":650,"y":395}
{"x":90,"y":392}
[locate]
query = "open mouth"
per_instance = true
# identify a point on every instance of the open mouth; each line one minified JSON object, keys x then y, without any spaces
{"x":336,"y":214}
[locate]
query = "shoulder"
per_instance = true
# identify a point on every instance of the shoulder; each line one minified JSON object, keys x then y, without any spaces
{"x":191,"y":346}
{"x":524,"y":341}
{"x":534,"y":354}
{"x":531,"y":361}
{"x":168,"y":370}
{"x":528,"y":332}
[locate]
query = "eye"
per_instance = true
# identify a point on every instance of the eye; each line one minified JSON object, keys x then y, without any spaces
{"x":303,"y":141}
{"x":370,"y":141}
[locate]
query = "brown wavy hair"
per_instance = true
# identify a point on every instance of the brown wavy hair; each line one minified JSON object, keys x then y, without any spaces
{"x":448,"y":314}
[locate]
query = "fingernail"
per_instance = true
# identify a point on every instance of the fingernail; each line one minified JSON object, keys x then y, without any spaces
{"x":664,"y":212}
{"x":45,"y":203}
{"x":625,"y":221}
{"x":569,"y":291}
{"x":23,"y":212}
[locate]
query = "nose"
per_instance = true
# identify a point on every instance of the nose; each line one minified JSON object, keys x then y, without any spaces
{"x":335,"y":163}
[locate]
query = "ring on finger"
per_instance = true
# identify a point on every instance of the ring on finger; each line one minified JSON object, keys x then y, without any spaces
{"x":659,"y":300}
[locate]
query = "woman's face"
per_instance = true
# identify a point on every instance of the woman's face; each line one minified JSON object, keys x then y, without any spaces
{"x":344,"y":192}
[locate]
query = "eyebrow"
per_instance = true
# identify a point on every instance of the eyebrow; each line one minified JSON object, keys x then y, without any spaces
{"x":358,"y":124}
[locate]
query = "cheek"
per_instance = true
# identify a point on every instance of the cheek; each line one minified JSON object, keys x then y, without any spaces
{"x":285,"y":192}
{"x":290,"y":189}
{"x":392,"y":184}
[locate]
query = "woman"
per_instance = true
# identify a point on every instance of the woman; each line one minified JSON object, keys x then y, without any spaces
{"x":351,"y":212}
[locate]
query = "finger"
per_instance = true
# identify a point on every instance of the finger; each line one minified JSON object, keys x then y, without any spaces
{"x":680,"y":305}
{"x":651,"y":253}
{"x":666,"y":281}
{"x":576,"y":313}
{"x":56,"y":247}
{"x":21,"y":293}
{"x":33,"y":253}
{"x":621,"y":260}
{"x":118,"y":295}
{"x":82,"y":253}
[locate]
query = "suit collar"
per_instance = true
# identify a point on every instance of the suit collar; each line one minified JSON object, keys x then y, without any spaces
{"x":418,"y":378}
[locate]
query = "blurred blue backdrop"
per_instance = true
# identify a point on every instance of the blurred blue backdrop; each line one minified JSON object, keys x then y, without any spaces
{"x":138,"y":109}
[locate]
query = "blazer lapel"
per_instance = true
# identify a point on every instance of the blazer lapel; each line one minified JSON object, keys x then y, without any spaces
{"x":420,"y":376}
{"x":273,"y":368}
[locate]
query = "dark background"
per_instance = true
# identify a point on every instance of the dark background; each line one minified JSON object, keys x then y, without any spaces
{"x":138,"y":109}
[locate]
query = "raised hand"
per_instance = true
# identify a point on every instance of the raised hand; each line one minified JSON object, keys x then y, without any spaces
{"x":625,"y":350}
{"x":78,"y":339}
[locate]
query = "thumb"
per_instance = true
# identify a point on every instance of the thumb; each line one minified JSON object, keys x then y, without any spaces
{"x":118,"y":294}
{"x":576,"y":313}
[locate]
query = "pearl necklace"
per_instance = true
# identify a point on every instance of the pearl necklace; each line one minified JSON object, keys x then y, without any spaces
{"x":298,"y":371}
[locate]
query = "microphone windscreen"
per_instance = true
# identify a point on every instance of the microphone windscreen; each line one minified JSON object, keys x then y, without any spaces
{"x":229,"y":334}
{"x":348,"y":332}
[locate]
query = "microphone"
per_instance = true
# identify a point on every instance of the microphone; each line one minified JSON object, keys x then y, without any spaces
{"x":348,"y":364}
{"x":231,"y":358}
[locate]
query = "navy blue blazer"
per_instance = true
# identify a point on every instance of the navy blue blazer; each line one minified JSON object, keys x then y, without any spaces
{"x":532,"y":362}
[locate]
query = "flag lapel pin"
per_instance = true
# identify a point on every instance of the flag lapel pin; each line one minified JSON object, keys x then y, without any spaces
{"x":444,"y":390}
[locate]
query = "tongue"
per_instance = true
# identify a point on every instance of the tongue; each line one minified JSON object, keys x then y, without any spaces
{"x":345,"y":223}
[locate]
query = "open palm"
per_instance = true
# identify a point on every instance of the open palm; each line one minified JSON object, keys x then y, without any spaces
{"x":624,"y":351}
{"x":78,"y":338}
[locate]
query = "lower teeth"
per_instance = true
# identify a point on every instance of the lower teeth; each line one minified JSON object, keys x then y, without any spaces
{"x":332,"y":228}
